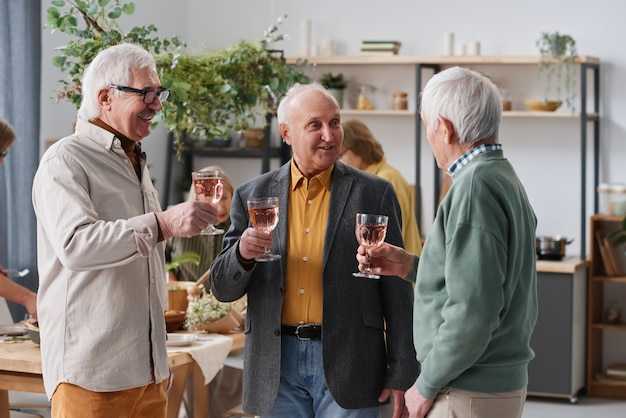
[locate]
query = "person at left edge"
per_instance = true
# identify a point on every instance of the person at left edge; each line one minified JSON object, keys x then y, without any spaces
{"x":8,"y":288}
{"x":101,"y":248}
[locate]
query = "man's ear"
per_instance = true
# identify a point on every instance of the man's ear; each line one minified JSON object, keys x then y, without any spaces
{"x":104,"y":98}
{"x":284,"y":133}
{"x":448,"y":129}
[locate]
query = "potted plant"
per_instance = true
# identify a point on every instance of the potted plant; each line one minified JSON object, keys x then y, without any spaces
{"x":558,"y":56}
{"x":211,"y":93}
{"x":335,"y":84}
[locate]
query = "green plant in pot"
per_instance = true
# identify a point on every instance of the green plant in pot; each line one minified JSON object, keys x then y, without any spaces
{"x":212,"y":93}
{"x":227,"y":89}
{"x":618,"y":236}
{"x":335,"y":84}
{"x":557,"y":63}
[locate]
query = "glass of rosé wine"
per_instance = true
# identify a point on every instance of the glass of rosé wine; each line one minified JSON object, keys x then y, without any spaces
{"x":208,"y":187}
{"x":370,"y":232}
{"x":264,"y":217}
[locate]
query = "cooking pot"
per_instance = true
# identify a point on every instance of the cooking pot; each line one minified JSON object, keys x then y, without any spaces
{"x":551,"y":248}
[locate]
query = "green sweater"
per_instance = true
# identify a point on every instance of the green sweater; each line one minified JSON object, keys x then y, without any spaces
{"x":475,"y":294}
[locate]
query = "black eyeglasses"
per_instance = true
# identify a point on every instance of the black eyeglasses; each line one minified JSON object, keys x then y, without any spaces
{"x":149,"y":95}
{"x":4,"y":154}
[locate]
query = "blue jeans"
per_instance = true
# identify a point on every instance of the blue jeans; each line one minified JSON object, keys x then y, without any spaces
{"x":303,"y":392}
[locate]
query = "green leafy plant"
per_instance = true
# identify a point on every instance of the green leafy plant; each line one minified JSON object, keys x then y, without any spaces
{"x":618,"y":236}
{"x":333,"y":81}
{"x":211,"y":93}
{"x":93,"y":26}
{"x":558,"y":56}
{"x":188,"y":257}
{"x":225,"y":89}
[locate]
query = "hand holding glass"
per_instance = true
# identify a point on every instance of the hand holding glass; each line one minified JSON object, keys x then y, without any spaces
{"x":370,"y":232}
{"x":264,"y":217}
{"x":208,"y":187}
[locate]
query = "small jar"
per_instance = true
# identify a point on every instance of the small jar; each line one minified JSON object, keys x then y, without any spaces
{"x":400,"y":101}
{"x":612,"y":198}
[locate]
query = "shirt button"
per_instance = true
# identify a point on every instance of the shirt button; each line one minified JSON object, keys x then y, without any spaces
{"x":307,"y":230}
{"x":302,"y":291}
{"x":305,"y":258}
{"x":310,"y":202}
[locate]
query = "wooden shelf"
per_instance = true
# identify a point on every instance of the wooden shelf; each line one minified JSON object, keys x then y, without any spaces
{"x":239,"y":152}
{"x":505,"y":114}
{"x":603,"y":325}
{"x":598,"y":384}
{"x":614,"y":279}
{"x":430,"y":60}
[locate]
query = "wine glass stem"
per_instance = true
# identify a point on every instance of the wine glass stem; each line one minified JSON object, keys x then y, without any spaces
{"x":367,"y":266}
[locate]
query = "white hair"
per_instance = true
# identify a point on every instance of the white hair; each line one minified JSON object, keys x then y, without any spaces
{"x":112,"y":66}
{"x":469,"y":100}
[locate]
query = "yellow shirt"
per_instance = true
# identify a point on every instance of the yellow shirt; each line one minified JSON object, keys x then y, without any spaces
{"x":308,"y":213}
{"x":410,"y":230}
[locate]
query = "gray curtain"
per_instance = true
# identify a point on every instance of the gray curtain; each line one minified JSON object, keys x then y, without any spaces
{"x":20,"y":71}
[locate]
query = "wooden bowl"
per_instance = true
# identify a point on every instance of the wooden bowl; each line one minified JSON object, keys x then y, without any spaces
{"x":542,"y":106}
{"x":174,"y":320}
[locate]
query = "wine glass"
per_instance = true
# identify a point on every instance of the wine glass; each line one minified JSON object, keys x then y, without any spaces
{"x":264,"y":217}
{"x":370,"y":231}
{"x":208,"y":187}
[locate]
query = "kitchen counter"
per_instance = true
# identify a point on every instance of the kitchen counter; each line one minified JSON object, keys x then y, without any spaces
{"x":567,"y":265}
{"x":558,"y":369}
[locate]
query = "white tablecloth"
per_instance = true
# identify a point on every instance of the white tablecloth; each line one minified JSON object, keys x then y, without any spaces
{"x":209,"y":351}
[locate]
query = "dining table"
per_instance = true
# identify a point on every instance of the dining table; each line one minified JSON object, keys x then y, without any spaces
{"x":20,"y":370}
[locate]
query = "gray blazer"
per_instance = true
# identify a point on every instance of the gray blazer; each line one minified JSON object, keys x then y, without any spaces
{"x":359,"y":359}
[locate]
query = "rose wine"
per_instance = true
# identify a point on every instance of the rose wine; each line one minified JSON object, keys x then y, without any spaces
{"x":265,"y":218}
{"x":208,"y":189}
{"x":371,"y":235}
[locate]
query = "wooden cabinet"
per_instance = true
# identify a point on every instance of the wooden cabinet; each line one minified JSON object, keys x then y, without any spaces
{"x":415,"y":70}
{"x":558,"y":369}
{"x":606,"y":337}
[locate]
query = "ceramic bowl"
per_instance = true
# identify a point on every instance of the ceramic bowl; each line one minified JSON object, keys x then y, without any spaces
{"x":542,"y":106}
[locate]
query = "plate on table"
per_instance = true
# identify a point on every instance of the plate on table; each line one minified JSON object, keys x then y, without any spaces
{"x":11,"y":330}
{"x":180,"y":340}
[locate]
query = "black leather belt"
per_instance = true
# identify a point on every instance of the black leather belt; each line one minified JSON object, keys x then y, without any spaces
{"x":303,"y":332}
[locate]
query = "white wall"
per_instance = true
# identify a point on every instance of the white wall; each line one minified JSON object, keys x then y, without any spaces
{"x":545,"y":153}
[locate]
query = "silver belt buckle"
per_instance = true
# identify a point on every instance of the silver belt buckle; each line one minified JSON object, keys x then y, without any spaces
{"x":298,"y":332}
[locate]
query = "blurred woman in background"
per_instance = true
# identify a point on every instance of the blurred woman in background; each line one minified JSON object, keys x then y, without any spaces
{"x":361,"y":150}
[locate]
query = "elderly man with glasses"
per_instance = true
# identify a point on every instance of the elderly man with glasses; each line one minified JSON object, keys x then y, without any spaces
{"x":101,"y":242}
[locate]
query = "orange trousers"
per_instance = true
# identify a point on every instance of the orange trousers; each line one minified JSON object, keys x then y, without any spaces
{"x":71,"y":401}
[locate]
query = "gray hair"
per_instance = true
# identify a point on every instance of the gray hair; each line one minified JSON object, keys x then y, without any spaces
{"x":112,"y":66}
{"x":285,"y":109}
{"x":469,"y":100}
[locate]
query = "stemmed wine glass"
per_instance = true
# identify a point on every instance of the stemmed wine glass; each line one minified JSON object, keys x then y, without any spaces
{"x":208,"y":187}
{"x":370,"y":232}
{"x":264,"y":217}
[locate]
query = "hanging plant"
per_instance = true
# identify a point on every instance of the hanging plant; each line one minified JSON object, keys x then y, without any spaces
{"x":558,"y":56}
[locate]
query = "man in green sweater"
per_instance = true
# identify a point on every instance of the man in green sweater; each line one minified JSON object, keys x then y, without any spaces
{"x":475,"y":293}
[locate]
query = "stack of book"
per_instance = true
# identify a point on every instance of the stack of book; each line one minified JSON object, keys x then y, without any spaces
{"x":616,"y":371}
{"x":380,"y":47}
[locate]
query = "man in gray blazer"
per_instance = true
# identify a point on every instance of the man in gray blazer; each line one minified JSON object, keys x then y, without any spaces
{"x":319,"y":341}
